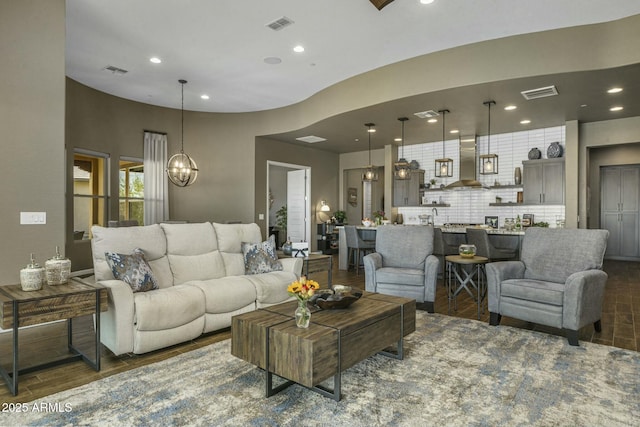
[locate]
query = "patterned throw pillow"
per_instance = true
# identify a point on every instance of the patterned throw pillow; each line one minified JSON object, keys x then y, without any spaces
{"x":132,"y":269}
{"x":261,"y":257}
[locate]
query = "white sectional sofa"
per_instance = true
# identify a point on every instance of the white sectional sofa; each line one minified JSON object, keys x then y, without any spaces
{"x":200,"y":272}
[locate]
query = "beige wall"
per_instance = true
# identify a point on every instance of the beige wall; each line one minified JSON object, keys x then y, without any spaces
{"x":32,"y":84}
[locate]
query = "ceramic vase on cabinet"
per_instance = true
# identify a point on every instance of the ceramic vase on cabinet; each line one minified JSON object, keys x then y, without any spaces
{"x":32,"y":276}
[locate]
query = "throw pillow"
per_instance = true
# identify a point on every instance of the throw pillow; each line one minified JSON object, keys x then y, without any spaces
{"x":132,"y":269}
{"x":261,"y":257}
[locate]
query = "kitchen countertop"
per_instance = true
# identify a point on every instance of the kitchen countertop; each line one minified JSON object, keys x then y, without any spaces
{"x":457,"y":229}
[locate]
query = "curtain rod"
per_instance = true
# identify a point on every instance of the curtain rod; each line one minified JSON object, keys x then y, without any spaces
{"x":154,"y":131}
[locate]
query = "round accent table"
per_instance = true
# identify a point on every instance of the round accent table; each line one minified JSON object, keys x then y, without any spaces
{"x":468,"y":274}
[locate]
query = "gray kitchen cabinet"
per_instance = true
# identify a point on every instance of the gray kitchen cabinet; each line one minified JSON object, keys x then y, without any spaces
{"x":543,"y":182}
{"x":620,"y":210}
{"x":406,"y":192}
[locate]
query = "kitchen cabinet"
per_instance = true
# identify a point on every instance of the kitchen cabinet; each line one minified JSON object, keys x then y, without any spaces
{"x":620,"y":210}
{"x":407,"y":192}
{"x":543,"y":182}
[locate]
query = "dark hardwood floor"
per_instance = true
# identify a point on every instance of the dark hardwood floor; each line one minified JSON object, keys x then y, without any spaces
{"x":620,"y":328}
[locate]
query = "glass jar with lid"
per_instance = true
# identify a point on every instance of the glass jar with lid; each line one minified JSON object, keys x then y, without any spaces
{"x":32,"y":276}
{"x":57,"y":269}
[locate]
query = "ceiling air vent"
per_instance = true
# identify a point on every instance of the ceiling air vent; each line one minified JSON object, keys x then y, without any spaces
{"x":539,"y":93}
{"x":311,"y":139}
{"x":280,"y":23}
{"x":115,"y":70}
{"x":426,"y":114}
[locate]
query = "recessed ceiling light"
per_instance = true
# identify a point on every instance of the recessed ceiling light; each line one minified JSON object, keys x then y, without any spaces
{"x":525,"y":122}
{"x":454,"y":131}
{"x":398,"y":139}
{"x":432,"y":121}
{"x":615,"y":90}
{"x":155,"y":60}
{"x":204,"y":96}
{"x":510,"y":107}
{"x":371,"y":130}
{"x":298,"y":49}
{"x":426,"y":1}
{"x":272,"y":60}
{"x":616,"y":108}
{"x":583,"y":105}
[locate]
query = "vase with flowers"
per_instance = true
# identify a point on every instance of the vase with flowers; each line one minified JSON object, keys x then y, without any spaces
{"x":379,"y":216}
{"x":303,"y":289}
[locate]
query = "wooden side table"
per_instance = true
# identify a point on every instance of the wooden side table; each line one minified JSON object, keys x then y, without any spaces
{"x":315,"y":263}
{"x":74,"y":299}
{"x":460,"y":278}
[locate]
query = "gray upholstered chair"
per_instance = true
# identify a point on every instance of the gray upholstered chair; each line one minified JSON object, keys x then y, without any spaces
{"x":558,"y":281}
{"x":480,"y":238}
{"x":403,"y":263}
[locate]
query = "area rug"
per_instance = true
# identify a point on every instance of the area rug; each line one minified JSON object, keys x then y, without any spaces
{"x":456,"y":372}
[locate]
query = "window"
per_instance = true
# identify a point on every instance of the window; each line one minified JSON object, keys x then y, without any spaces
{"x":131,"y":192}
{"x":89,"y":192}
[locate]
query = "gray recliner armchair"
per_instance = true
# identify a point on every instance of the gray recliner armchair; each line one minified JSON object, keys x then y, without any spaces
{"x":403,"y":263}
{"x":558,"y":281}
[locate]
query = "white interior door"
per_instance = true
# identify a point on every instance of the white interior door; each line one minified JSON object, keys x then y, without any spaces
{"x":297,"y":205}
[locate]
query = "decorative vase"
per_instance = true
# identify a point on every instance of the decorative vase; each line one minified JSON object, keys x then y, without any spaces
{"x":517,"y":176}
{"x":378,"y":220}
{"x":303,"y":314}
{"x":554,"y":150}
{"x":32,"y":276}
{"x":57,"y":270}
{"x":287,"y":247}
{"x":467,"y":251}
{"x":534,"y":154}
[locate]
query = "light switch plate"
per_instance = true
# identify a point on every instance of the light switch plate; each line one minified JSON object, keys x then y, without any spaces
{"x":261,"y":217}
{"x":36,"y":218}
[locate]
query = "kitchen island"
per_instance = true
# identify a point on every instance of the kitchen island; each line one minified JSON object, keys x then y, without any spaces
{"x":454,"y":234}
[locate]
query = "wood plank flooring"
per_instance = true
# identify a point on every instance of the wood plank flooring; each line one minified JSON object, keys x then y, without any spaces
{"x":620,"y":328}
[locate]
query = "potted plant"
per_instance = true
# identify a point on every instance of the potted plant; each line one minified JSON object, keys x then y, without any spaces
{"x":340,"y":216}
{"x":281,"y":219}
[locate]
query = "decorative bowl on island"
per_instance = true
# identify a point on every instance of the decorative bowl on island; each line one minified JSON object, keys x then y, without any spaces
{"x":367,"y":222}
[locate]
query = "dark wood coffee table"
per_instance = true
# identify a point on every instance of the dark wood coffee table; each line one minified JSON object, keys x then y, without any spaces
{"x":334,"y":341}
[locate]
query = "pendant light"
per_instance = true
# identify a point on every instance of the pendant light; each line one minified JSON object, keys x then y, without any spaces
{"x":370,"y":172}
{"x":489,"y":162}
{"x":182,"y":169}
{"x":403,"y":170}
{"x":444,"y":166}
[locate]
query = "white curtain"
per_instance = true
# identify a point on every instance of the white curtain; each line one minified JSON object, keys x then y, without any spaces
{"x":156,"y":182}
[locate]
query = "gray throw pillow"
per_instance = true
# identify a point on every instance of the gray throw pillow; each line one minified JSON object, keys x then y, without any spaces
{"x":261,"y":257}
{"x":132,"y":269}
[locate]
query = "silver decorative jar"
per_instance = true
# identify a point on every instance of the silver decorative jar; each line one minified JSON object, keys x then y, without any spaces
{"x":32,"y":276}
{"x":58,"y":269}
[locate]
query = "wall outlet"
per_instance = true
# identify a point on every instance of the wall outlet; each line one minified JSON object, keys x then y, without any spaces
{"x":37,"y":218}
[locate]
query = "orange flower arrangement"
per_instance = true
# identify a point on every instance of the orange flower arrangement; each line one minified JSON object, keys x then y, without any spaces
{"x":303,"y":289}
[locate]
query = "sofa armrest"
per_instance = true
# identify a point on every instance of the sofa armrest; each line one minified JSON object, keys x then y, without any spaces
{"x":293,"y":265}
{"x":117,"y":323}
{"x":372,"y":262}
{"x":431,"y":269}
{"x":498,"y":272}
{"x":583,"y":296}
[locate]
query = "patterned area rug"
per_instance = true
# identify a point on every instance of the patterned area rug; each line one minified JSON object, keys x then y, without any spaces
{"x":456,"y":372}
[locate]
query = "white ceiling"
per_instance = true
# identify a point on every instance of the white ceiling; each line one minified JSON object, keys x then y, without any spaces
{"x":219,"y":46}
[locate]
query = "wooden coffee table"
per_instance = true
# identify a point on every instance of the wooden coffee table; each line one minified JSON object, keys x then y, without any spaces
{"x":334,"y":341}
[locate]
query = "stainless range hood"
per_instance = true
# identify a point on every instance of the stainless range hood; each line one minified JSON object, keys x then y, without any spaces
{"x":467,"y":166}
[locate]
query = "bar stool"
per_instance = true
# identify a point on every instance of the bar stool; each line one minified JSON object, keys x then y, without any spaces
{"x":357,"y":248}
{"x":442,"y":248}
{"x":484,"y":248}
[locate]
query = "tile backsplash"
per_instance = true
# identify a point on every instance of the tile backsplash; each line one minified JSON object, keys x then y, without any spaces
{"x":471,"y":206}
